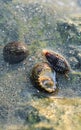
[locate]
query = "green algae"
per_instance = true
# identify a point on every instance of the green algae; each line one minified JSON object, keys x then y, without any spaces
{"x":63,"y":112}
{"x":60,"y":110}
{"x":70,"y":30}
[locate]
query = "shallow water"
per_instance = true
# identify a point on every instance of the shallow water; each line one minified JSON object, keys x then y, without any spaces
{"x":21,"y":105}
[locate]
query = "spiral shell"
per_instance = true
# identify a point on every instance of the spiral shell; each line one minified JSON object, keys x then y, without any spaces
{"x":43,"y":77}
{"x":15,"y":52}
{"x":57,"y":61}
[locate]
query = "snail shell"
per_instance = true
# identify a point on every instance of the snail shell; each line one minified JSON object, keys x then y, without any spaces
{"x":15,"y":52}
{"x":57,"y":61}
{"x":43,"y":77}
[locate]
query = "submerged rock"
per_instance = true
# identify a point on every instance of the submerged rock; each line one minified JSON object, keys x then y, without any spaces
{"x":3,"y":113}
{"x":15,"y":52}
{"x":70,"y":30}
{"x":74,"y":54}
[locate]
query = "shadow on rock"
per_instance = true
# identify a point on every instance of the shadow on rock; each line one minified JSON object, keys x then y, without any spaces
{"x":3,"y":113}
{"x":30,"y":115}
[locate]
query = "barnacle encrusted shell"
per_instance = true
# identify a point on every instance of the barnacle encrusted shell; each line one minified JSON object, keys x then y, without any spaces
{"x":43,"y":77}
{"x":15,"y":52}
{"x":57,"y":61}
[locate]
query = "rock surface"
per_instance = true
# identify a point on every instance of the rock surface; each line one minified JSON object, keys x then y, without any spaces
{"x":41,"y":25}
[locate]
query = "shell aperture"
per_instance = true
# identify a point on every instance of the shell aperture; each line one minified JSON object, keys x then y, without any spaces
{"x":44,"y":78}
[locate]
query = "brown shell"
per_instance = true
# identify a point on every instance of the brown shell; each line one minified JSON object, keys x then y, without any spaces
{"x":57,"y":61}
{"x":15,"y":52}
{"x":43,"y":78}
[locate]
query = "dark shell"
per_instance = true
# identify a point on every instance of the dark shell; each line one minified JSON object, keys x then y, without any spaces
{"x":43,"y":77}
{"x":57,"y":62}
{"x":15,"y":52}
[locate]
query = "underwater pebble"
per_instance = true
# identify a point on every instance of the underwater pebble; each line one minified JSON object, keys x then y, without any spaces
{"x":15,"y":52}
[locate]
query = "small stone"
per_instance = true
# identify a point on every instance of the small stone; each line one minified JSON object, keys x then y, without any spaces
{"x":15,"y":52}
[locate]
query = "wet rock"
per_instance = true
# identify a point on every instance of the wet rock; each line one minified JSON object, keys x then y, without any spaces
{"x":15,"y":52}
{"x":28,"y":114}
{"x":79,"y":57}
{"x":29,"y":22}
{"x":74,"y":62}
{"x":33,"y":116}
{"x":73,"y":50}
{"x":79,"y":2}
{"x":35,"y":13}
{"x":70,"y":31}
{"x":21,"y":113}
{"x":66,"y":30}
{"x":3,"y":113}
{"x":8,"y":25}
{"x":5,"y":1}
